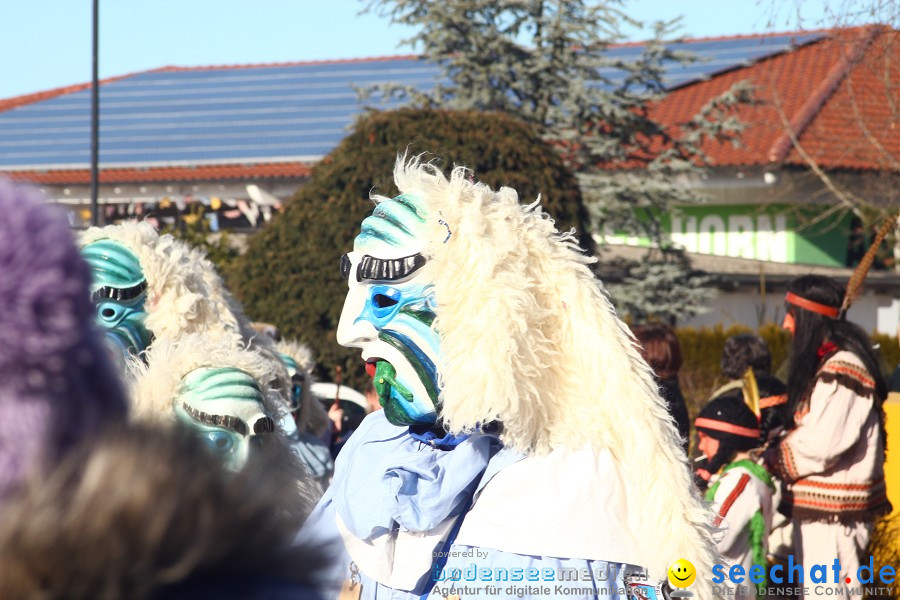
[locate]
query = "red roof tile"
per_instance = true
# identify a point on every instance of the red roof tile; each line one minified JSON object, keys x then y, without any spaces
{"x":156,"y":174}
{"x":838,"y":97}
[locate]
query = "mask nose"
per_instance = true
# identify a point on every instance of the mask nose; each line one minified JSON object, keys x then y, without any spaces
{"x":353,"y":331}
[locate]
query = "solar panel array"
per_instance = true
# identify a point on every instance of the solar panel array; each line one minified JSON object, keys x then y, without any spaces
{"x":296,"y":112}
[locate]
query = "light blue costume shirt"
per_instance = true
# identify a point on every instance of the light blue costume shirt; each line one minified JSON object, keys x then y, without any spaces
{"x":386,"y":480}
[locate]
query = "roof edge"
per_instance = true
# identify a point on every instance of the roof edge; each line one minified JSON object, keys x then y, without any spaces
{"x":126,"y":175}
{"x":295,"y":63}
{"x":739,"y":36}
{"x":24,"y":99}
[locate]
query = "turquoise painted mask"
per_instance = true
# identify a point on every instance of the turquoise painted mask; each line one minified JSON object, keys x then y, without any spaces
{"x":298,"y":380}
{"x":119,"y":292}
{"x":225,"y":406}
{"x":389,"y":311}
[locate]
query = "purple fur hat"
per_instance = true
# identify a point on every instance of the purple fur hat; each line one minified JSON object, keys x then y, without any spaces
{"x":56,"y":383}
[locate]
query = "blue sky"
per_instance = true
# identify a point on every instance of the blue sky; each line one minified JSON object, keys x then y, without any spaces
{"x":47,"y":43}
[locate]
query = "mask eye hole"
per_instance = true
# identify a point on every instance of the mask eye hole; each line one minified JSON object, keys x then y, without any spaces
{"x":346,"y":266}
{"x":109,"y":313}
{"x":219,"y":441}
{"x":382,"y":301}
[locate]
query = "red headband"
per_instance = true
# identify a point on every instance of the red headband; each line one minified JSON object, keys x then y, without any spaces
{"x":822,"y":309}
{"x":771,"y":401}
{"x":726,"y":427}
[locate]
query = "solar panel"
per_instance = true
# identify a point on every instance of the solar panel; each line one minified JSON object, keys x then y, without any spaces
{"x":271,"y":114}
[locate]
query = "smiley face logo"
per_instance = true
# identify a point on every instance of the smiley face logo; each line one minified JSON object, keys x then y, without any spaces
{"x":682,"y":573}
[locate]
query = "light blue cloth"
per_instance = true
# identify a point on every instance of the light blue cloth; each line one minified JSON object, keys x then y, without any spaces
{"x":314,"y":454}
{"x":385,"y":479}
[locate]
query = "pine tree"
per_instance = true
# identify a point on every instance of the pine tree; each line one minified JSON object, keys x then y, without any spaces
{"x":545,"y":62}
{"x":290,"y":274}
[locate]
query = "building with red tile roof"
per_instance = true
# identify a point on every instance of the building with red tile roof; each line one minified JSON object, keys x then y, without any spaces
{"x":836,"y":100}
{"x":242,"y":138}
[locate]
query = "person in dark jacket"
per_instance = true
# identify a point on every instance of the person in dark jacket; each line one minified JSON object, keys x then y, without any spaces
{"x":661,"y":350}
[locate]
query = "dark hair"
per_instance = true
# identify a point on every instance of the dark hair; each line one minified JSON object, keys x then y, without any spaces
{"x":145,"y":513}
{"x":743,"y":351}
{"x":812,"y":330}
{"x":660,"y":348}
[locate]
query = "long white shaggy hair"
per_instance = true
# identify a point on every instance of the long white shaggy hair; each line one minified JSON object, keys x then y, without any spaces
{"x":530,"y":338}
{"x":155,"y":382}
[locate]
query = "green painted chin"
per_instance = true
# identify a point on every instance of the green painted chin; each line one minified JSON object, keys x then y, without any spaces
{"x":396,"y":399}
{"x":386,"y":386}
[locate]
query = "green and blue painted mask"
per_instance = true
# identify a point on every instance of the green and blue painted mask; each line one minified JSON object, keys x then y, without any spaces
{"x":389,"y":311}
{"x":225,"y":406}
{"x":298,"y":380}
{"x":119,"y":293}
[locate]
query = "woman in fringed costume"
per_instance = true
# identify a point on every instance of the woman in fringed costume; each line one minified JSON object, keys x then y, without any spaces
{"x":832,"y":459}
{"x":521,"y":429}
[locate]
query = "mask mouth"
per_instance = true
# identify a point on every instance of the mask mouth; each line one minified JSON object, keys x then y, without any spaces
{"x":372,"y":366}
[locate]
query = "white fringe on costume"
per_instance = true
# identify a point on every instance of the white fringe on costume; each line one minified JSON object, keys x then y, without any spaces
{"x":530,"y":338}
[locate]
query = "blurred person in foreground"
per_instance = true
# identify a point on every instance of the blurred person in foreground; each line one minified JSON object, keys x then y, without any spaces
{"x":661,"y":350}
{"x":91,"y":507}
{"x":832,"y":458}
{"x":57,"y":385}
{"x":142,"y":513}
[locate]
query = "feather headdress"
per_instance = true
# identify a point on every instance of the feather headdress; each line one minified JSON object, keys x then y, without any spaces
{"x":854,"y":285}
{"x":530,"y":338}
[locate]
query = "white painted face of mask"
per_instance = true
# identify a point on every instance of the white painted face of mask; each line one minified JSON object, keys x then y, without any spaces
{"x":389,"y":311}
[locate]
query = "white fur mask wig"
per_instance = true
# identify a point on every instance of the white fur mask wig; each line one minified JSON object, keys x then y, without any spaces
{"x":184,"y":292}
{"x":155,"y":383}
{"x":529,"y":338}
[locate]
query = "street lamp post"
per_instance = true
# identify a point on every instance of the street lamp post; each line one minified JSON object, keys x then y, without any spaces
{"x":95,"y":125}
